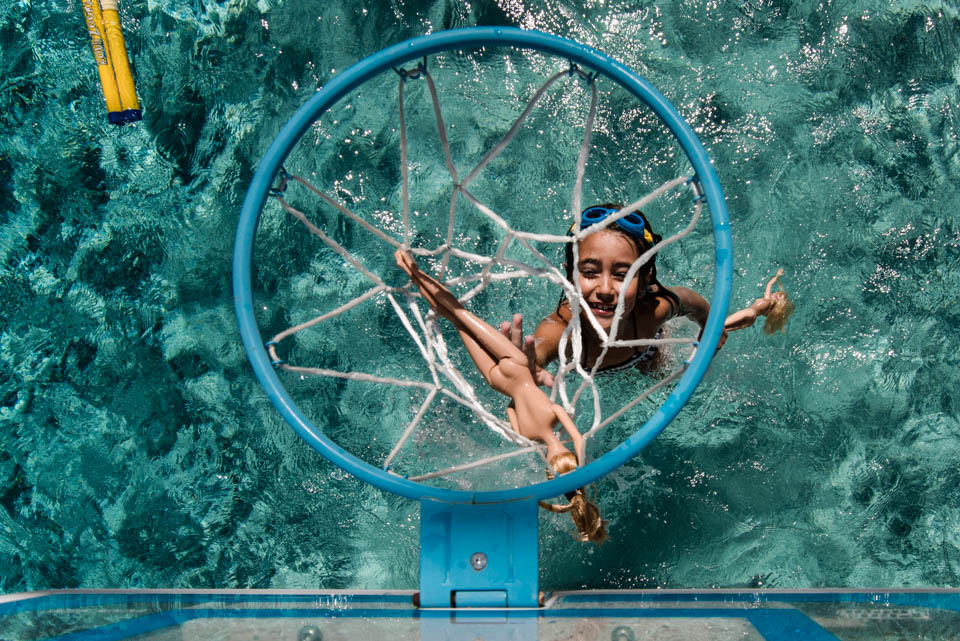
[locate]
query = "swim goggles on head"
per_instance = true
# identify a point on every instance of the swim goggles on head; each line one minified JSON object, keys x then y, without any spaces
{"x":632,"y":223}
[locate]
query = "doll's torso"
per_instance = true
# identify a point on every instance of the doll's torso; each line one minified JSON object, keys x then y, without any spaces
{"x":535,"y":415}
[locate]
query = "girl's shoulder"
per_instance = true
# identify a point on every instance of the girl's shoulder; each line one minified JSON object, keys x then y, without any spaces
{"x":562,"y":314}
{"x":664,"y":303}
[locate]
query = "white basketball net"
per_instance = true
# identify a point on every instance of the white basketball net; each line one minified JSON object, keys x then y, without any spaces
{"x":445,"y":378}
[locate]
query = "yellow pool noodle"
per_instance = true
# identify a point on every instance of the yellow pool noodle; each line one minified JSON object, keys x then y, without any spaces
{"x":110,"y":54}
{"x":94,"y":20}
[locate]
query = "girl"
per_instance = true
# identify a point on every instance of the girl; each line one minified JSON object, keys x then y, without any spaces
{"x":506,"y":369}
{"x":604,"y":259}
{"x":776,"y":306}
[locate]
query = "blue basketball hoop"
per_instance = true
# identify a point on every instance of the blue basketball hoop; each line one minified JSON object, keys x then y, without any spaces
{"x":391,"y":58}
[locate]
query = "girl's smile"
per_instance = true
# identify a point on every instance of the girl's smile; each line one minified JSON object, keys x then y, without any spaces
{"x":604,"y":260}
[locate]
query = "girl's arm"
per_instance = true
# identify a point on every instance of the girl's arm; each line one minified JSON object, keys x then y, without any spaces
{"x":546,"y":338}
{"x":692,"y":305}
{"x":696,"y":308}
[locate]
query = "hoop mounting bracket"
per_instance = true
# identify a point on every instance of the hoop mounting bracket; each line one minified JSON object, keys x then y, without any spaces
{"x":478,"y":555}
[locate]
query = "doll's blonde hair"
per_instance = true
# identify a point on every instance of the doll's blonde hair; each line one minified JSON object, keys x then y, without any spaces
{"x":782,"y":308}
{"x":585,"y":514}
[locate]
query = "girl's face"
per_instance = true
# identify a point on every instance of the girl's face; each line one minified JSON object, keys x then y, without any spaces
{"x":605,"y":259}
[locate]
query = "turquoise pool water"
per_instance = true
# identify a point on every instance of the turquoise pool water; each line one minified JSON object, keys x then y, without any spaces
{"x":137,"y":450}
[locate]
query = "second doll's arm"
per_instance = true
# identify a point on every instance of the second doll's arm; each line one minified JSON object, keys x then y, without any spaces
{"x":740,"y":320}
{"x":769,"y":290}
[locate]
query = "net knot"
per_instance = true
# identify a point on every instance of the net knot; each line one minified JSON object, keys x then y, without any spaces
{"x":588,"y":76}
{"x":274,"y":359}
{"x":412,"y":74}
{"x":698,"y":194}
{"x":284,"y":177}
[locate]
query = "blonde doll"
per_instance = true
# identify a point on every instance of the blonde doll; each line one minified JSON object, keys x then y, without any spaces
{"x":776,"y":306}
{"x":586,"y":517}
{"x":505,"y":367}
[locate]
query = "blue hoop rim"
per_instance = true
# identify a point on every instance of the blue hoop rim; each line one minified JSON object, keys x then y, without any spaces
{"x":384,"y":60}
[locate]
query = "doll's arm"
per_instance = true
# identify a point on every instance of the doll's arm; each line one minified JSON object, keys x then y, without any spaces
{"x":740,"y":320}
{"x":571,"y":429}
{"x":769,"y":290}
{"x":512,"y":415}
{"x":760,"y":307}
{"x":747,"y":317}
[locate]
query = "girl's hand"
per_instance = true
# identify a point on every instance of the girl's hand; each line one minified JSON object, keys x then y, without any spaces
{"x":723,"y":337}
{"x":514,"y":331}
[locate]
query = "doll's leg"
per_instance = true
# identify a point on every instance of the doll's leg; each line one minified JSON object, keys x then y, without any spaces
{"x":447,"y":305}
{"x":436,"y":294}
{"x":485,"y":344}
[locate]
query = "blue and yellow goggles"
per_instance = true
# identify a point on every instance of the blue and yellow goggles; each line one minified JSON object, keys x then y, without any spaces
{"x":632,"y":223}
